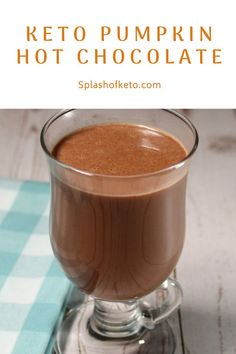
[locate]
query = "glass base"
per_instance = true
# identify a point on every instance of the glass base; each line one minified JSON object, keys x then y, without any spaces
{"x":74,"y":337}
{"x":80,"y":331}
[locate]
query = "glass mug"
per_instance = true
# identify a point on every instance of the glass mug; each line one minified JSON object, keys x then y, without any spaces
{"x":118,"y":238}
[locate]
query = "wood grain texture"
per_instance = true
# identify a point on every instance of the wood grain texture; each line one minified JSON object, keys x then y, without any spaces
{"x":207,"y":266}
{"x":21,"y":153}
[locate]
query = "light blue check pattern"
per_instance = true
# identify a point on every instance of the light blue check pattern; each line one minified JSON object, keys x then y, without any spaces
{"x":32,"y":287}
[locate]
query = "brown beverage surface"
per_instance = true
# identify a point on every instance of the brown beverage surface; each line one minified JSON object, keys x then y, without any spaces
{"x":119,"y":149}
{"x":111,"y":246}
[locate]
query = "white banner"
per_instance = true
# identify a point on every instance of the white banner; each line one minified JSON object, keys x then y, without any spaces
{"x":117,"y":54}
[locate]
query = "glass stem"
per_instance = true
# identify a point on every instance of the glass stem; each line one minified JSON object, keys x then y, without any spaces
{"x":115,"y":319}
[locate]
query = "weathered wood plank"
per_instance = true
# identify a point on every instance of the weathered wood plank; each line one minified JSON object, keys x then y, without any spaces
{"x":207,"y":266}
{"x":21,"y":154}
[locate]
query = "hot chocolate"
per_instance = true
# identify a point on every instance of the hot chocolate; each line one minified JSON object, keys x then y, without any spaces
{"x":118,"y":245}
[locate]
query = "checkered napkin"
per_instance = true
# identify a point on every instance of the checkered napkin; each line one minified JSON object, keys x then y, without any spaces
{"x":32,"y":287}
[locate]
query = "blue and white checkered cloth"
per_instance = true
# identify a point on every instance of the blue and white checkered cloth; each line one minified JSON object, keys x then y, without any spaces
{"x":32,"y":287}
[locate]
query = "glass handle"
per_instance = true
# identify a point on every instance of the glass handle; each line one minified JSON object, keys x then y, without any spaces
{"x":161,"y":303}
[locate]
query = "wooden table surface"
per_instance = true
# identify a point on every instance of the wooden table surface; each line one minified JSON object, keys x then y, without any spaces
{"x":207,"y":268}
